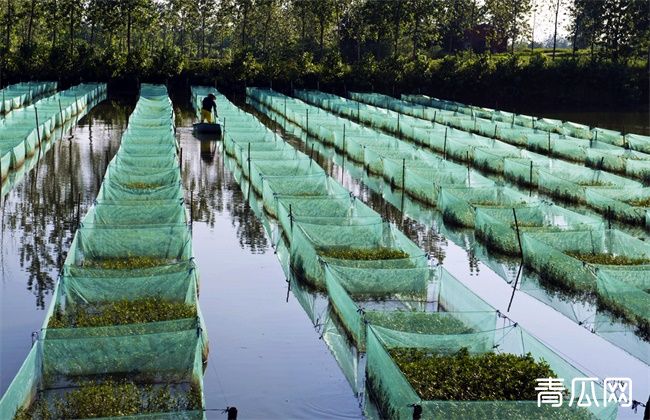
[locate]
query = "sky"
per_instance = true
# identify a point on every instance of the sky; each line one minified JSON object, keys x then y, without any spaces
{"x":545,"y":17}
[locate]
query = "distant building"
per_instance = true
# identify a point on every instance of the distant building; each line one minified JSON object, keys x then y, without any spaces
{"x":480,"y":36}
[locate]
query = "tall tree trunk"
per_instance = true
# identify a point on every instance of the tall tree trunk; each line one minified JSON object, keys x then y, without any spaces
{"x":128,"y":34}
{"x":514,"y":26}
{"x":416,"y":34}
{"x":31,"y":23}
{"x":450,"y":45}
{"x":574,"y":47}
{"x":8,"y":34}
{"x":321,"y":48}
{"x":398,"y":22}
{"x":71,"y":30}
{"x":244,"y":27}
{"x":267,"y":24}
{"x":303,"y":17}
{"x":337,"y":16}
{"x":181,"y":40}
{"x":54,"y":27}
{"x":557,"y":11}
{"x":203,"y":34}
{"x":92,"y":33}
{"x":532,"y":32}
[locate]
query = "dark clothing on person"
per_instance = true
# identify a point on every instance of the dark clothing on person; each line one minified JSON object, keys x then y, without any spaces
{"x":209,"y":104}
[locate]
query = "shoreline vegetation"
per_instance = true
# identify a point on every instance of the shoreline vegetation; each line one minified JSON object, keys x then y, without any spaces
{"x":474,"y":52}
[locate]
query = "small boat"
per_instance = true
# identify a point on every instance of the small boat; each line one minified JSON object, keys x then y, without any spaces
{"x":207,"y":128}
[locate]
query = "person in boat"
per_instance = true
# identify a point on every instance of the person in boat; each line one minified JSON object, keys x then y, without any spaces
{"x":207,"y":105}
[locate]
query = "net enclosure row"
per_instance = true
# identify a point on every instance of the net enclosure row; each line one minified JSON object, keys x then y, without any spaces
{"x":375,"y":277}
{"x":124,"y":334}
{"x":21,"y":94}
{"x":23,"y":131}
{"x":587,"y":151}
{"x":560,"y":179}
{"x":502,"y":225}
{"x":635,"y":142}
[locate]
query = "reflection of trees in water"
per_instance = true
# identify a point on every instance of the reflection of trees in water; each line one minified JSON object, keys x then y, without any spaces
{"x":214,"y":190}
{"x":250,"y":230}
{"x":40,"y":211}
{"x":203,"y":187}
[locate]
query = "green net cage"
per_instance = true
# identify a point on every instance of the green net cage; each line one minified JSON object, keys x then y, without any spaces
{"x":370,"y":246}
{"x":20,"y":94}
{"x":128,"y":289}
{"x":398,"y":397}
{"x":631,"y":205}
{"x":524,"y":123}
{"x":458,"y":205}
{"x":334,"y":208}
{"x":501,"y":228}
{"x":608,"y":264}
{"x":411,"y":299}
{"x":23,"y":130}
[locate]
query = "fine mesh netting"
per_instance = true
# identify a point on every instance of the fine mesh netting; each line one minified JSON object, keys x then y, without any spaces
{"x":397,"y":396}
{"x":500,"y":227}
{"x":126,"y":304}
{"x":400,"y":293}
{"x":522,"y":157}
{"x":296,"y":117}
{"x":23,"y":130}
{"x":606,"y":263}
{"x":517,"y":123}
{"x":21,"y":94}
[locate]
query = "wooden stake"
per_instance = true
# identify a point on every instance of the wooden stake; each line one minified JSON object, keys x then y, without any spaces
{"x":514,"y":214}
{"x":38,"y":135}
{"x":444,"y":146}
{"x":291,"y":218}
{"x":609,"y":217}
{"x":311,"y":154}
{"x":403,"y":187}
{"x":249,"y":161}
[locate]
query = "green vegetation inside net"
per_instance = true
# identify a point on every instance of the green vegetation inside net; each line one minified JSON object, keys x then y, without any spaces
{"x":607,"y":259}
{"x":113,"y":398}
{"x":127,"y":263}
{"x":494,"y":203}
{"x":639,"y":202}
{"x":121,"y":312}
{"x":142,"y":186}
{"x":465,"y":377}
{"x":418,"y":322}
{"x":593,"y":183}
{"x":364,"y":254}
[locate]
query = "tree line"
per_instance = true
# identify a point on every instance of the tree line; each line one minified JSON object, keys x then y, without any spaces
{"x":381,"y":44}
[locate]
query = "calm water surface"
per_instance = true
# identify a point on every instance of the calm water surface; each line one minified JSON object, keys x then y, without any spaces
{"x":275,"y":351}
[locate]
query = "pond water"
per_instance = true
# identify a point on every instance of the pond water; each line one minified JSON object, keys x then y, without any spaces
{"x":275,"y":351}
{"x":625,"y":121}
